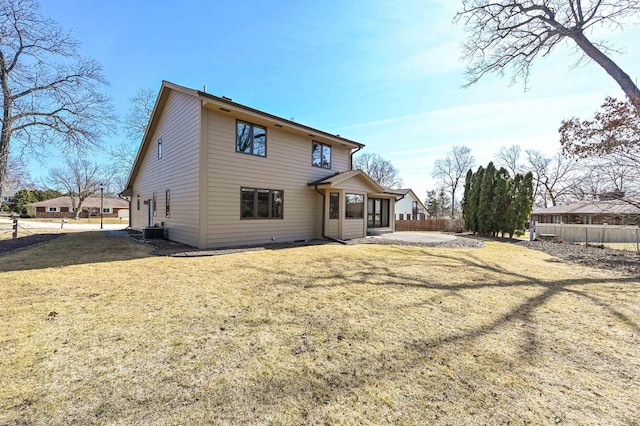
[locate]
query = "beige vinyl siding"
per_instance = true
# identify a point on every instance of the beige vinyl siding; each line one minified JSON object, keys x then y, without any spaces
{"x":333,"y":228}
{"x":286,"y":167}
{"x":355,"y":185}
{"x":353,"y":228}
{"x":177,"y":170}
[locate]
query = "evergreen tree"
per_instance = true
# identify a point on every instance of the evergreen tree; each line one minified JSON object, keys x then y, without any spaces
{"x":524,"y":201}
{"x":486,"y":204}
{"x":474,"y":200}
{"x":465,"y":198}
{"x":495,"y":203}
{"x":502,"y":199}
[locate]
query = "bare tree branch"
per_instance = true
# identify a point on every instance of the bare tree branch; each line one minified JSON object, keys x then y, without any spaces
{"x":79,"y":179}
{"x":379,"y":169}
{"x":509,"y":35}
{"x":452,"y":169}
{"x":50,"y":94}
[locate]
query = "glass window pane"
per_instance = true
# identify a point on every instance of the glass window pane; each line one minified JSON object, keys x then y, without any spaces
{"x":316,"y":154}
{"x":263,"y":203}
{"x":243,"y":137}
{"x":276,"y":204}
{"x":326,"y":156}
{"x":247,"y":203}
{"x":259,"y":141}
{"x":354,"y":206}
{"x":334,"y":205}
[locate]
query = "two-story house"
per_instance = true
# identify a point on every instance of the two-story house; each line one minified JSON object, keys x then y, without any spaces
{"x":217,"y":173}
{"x":409,"y":207}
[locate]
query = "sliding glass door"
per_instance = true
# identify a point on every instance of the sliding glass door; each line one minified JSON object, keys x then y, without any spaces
{"x":377,"y":213}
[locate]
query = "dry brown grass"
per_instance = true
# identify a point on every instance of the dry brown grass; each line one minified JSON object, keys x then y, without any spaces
{"x":97,"y":331}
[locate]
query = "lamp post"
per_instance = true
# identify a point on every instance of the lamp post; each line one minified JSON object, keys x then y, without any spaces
{"x":101,"y":202}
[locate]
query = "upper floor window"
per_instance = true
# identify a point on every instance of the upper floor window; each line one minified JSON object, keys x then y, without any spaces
{"x":251,"y":139}
{"x":321,"y":155}
{"x":160,"y":148}
{"x":414,"y":210}
{"x":138,"y":202}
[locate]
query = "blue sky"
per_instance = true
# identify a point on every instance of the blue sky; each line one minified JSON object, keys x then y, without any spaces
{"x":387,"y":74}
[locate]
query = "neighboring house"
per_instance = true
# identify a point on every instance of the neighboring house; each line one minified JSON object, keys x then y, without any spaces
{"x":409,"y":207}
{"x":8,"y":196}
{"x":615,"y":212}
{"x":217,"y":173}
{"x":61,"y":207}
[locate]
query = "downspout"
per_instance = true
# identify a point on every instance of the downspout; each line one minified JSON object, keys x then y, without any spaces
{"x":351,"y":156}
{"x":324,"y":210}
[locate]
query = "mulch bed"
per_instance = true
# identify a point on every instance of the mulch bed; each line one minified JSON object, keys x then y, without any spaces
{"x":595,"y":256}
{"x":28,"y":241}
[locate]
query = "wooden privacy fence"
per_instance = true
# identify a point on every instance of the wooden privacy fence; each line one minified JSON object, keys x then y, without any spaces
{"x":442,"y":225}
{"x":591,"y":234}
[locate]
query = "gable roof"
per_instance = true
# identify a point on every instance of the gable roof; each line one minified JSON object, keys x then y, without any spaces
{"x":340,"y":177}
{"x":408,"y":191}
{"x":226,"y":105}
{"x":65,"y":201}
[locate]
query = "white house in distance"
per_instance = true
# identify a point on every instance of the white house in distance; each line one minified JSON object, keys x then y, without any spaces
{"x":409,"y":207}
{"x":217,"y":173}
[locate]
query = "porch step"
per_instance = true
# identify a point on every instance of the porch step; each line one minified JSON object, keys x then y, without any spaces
{"x":379,"y":231}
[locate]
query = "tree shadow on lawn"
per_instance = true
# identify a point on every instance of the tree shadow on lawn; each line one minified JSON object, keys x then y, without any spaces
{"x":517,"y":321}
{"x":380,"y":275}
{"x":75,"y":248}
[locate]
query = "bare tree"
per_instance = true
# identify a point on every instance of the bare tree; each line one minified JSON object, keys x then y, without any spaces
{"x":17,"y":176}
{"x":452,"y":169}
{"x":555,"y":178}
{"x":50,"y":94}
{"x":123,"y":155}
{"x":79,"y":179}
{"x":510,"y":34}
{"x":509,"y":158}
{"x":379,"y":169}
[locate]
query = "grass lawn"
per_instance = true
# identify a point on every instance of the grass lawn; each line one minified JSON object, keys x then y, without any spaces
{"x":95,"y":330}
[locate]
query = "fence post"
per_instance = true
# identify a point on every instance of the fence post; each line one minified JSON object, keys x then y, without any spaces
{"x":604,"y":234}
{"x":15,"y":228}
{"x":586,"y":236}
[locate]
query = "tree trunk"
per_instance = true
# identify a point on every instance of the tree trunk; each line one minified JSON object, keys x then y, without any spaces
{"x":622,"y":78}
{"x":5,"y":135}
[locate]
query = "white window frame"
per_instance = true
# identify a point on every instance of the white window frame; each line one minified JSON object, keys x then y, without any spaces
{"x":53,"y":209}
